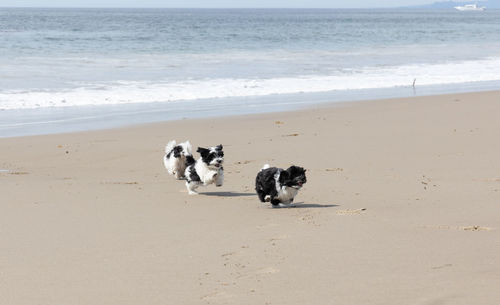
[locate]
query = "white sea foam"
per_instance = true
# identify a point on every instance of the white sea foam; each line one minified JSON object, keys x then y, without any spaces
{"x":125,"y":92}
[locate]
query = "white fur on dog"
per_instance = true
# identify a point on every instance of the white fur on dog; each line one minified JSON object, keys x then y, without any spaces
{"x":285,"y":193}
{"x":176,"y":166}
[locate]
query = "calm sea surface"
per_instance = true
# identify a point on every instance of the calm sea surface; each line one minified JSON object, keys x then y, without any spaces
{"x":93,"y":61}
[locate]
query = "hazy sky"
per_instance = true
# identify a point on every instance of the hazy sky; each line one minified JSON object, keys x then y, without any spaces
{"x":213,"y":3}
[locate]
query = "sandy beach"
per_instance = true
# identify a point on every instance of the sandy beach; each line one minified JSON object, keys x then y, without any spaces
{"x":401,"y":207}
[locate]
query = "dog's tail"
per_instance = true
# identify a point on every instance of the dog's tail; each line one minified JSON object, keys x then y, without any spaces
{"x":170,"y":146}
{"x":266,"y":166}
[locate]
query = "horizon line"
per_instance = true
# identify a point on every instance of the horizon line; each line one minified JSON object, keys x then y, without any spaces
{"x":208,"y":8}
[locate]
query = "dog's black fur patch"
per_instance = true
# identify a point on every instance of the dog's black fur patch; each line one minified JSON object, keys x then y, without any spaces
{"x":176,"y":151}
{"x":208,"y":155}
{"x":265,"y":183}
{"x":190,"y":160}
{"x":193,"y":176}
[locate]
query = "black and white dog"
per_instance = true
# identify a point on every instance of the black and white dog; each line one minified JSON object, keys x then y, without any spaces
{"x":280,"y":185}
{"x":206,"y":170}
{"x":177,"y":157}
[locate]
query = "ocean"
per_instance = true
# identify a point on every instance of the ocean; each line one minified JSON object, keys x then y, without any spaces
{"x":79,"y":69}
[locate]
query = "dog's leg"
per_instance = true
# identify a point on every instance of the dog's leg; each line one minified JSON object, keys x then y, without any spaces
{"x":219,"y":178}
{"x":180,"y":168}
{"x":262,"y":195}
{"x":179,"y":175}
{"x":288,"y":204}
{"x":191,"y":187}
{"x":275,"y":202}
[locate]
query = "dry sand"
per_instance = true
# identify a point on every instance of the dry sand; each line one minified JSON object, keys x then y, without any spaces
{"x":401,"y":207}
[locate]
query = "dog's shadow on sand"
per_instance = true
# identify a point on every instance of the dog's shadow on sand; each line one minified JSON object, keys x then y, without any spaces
{"x":297,"y":205}
{"x":302,"y":205}
{"x":228,"y":194}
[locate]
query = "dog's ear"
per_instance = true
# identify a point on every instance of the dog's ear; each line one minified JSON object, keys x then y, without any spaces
{"x":203,"y":151}
{"x":218,"y":147}
{"x":295,"y":170}
{"x":291,"y":169}
{"x":188,"y":147}
{"x":177,"y":151}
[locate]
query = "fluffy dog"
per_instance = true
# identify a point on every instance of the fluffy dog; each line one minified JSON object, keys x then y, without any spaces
{"x":280,"y":185}
{"x":206,"y":170}
{"x":177,"y":157}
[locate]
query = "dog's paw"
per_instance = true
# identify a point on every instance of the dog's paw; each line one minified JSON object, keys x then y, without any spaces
{"x":192,"y":193}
